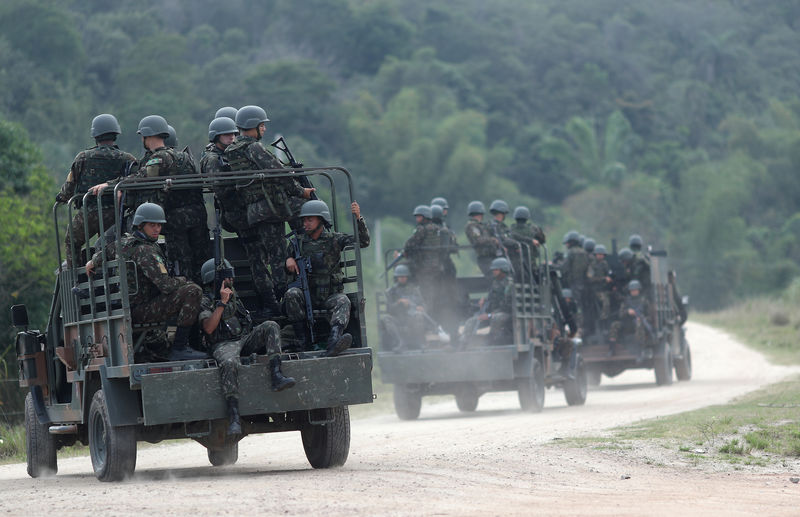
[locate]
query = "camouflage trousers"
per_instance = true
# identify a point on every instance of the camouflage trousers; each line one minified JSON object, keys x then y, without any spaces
{"x":187,"y":249}
{"x":76,"y":233}
{"x":604,"y":301}
{"x":626,"y":327}
{"x":263,"y":339}
{"x":265,"y":247}
{"x":182,"y":304}
{"x":338,"y":304}
{"x":499,"y":328}
{"x":412,"y":335}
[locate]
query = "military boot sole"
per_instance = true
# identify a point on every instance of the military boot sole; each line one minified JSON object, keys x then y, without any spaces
{"x":343,"y":344}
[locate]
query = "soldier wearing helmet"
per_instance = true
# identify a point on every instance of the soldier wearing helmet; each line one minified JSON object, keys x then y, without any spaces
{"x":495,"y":307}
{"x":229,"y":333}
{"x":575,"y":266}
{"x":480,"y":237}
{"x":598,"y":282}
{"x":510,"y":248}
{"x":403,"y":327}
{"x":424,"y":253}
{"x":261,"y":207}
{"x":640,"y":265}
{"x":324,"y":248}
{"x":91,"y":171}
{"x":442,"y":202}
{"x":158,"y":296}
{"x":634,"y":319}
{"x":222,"y":132}
{"x":527,"y":233}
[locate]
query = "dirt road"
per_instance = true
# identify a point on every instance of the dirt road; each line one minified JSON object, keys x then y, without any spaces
{"x":496,"y":461}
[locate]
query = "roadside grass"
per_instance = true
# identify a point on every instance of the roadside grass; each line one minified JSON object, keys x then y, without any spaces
{"x":12,"y":445}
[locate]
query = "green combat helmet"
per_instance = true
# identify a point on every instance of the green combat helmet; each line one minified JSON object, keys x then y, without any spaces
{"x":153,"y":125}
{"x":227,"y":111}
{"x":424,"y":211}
{"x":172,"y":139}
{"x":589,"y":245}
{"x":625,"y":255}
{"x":635,"y":242}
{"x":499,"y":206}
{"x":571,"y":237}
{"x":502,"y":264}
{"x":402,"y":270}
{"x":249,"y":117}
{"x":208,"y":271}
{"x":437,"y":213}
{"x":315,"y":207}
{"x":522,"y":213}
{"x":149,"y":213}
{"x":105,"y":124}
{"x":634,"y":285}
{"x":221,"y":126}
{"x":442,"y":202}
{"x":475,"y":207}
{"x":566,"y":293}
{"x":600,"y":250}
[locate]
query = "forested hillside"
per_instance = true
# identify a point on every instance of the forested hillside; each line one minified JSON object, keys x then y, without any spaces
{"x":678,"y":120}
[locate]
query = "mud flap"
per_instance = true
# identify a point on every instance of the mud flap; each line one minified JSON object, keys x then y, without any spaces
{"x":121,"y":401}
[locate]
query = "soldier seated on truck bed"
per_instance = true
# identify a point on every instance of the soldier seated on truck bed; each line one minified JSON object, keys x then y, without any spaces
{"x":634,"y":319}
{"x":159,"y":296}
{"x":229,"y":334}
{"x":495,"y":309}
{"x":404,"y":325}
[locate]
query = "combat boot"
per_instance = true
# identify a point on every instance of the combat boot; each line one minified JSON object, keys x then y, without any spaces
{"x":180,"y":351}
{"x":279,"y":381}
{"x":234,"y":426}
{"x":337,"y":342}
{"x":270,"y":308}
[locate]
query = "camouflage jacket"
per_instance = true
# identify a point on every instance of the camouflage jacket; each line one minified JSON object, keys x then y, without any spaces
{"x":424,"y":250}
{"x":575,"y":267}
{"x":596,"y":274}
{"x":526,"y":232}
{"x":398,"y":291}
{"x":271,"y":200}
{"x":638,"y":303}
{"x":325,"y":254}
{"x":499,"y":296}
{"x":640,"y":270}
{"x":93,"y":166}
{"x":234,"y":323}
{"x":480,"y":237}
{"x":499,"y":230}
{"x":234,"y":215}
{"x":149,"y":278}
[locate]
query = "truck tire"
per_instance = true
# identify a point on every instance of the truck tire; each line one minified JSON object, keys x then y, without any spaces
{"x":594,"y":377}
{"x":575,"y":389}
{"x":327,"y":445}
{"x":40,"y":445}
{"x":467,"y":400}
{"x":113,"y":449}
{"x":530,"y":390}
{"x":225,"y":456}
{"x":662,"y":364}
{"x":407,"y":403}
{"x":683,"y":366}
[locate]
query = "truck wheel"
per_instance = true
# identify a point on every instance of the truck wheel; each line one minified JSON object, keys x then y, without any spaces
{"x":327,"y":445}
{"x":575,"y":389}
{"x":662,"y":364}
{"x":225,"y":456}
{"x":593,"y":377}
{"x":531,"y":389}
{"x":467,"y":400}
{"x":113,"y":449}
{"x":407,"y":403}
{"x":40,"y":445}
{"x":683,"y":366}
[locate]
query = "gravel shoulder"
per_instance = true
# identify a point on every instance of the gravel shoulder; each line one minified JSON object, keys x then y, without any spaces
{"x":496,"y":461}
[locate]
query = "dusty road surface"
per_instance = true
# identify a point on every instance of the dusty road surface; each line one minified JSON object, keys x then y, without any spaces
{"x":496,"y":461}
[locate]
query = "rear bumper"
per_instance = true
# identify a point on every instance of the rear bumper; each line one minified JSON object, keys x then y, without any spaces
{"x":442,"y":366}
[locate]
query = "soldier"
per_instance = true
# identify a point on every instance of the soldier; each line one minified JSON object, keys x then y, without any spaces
{"x":229,"y":334}
{"x":510,"y":248}
{"x":424,"y":253}
{"x":672,"y":279}
{"x":187,"y":232}
{"x":640,"y":267}
{"x":480,"y":237}
{"x":528,"y":234}
{"x":575,"y":266}
{"x":588,"y":245}
{"x":324,"y":248}
{"x":266,"y":205}
{"x":91,"y":170}
{"x":172,"y":139}
{"x":226,"y":111}
{"x":598,"y":281}
{"x":572,"y":308}
{"x":159,"y":296}
{"x":446,"y":298}
{"x":406,"y":311}
{"x":442,"y":202}
{"x":634,"y":318}
{"x":221,"y":133}
{"x":495,"y":308}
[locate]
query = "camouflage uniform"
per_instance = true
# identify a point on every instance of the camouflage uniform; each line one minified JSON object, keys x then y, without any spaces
{"x":597,"y":287}
{"x":480,"y":237}
{"x":526,"y":233}
{"x":402,"y":316}
{"x":235,"y":336}
{"x":640,"y":270}
{"x":325,"y":280}
{"x":499,"y":230}
{"x":498,"y":306}
{"x":233,"y":215}
{"x":91,"y":167}
{"x":424,"y":253}
{"x":159,"y":297}
{"x":259,"y":211}
{"x":186,"y":233}
{"x":575,"y":266}
{"x":628,"y":324}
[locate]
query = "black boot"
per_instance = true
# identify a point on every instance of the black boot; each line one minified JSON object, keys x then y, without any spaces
{"x":279,"y":382}
{"x":234,"y":426}
{"x":180,"y":351}
{"x":337,"y":342}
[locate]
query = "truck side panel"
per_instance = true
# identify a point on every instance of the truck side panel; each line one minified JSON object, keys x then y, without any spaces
{"x":435,"y":366}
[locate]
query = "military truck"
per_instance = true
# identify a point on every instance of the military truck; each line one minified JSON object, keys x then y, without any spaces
{"x":528,"y":363}
{"x":92,"y":377}
{"x":665,"y":348}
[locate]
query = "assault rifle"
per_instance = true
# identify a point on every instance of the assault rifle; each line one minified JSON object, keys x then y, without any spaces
{"x":221,"y":272}
{"x":444,"y":337}
{"x":281,"y":145}
{"x":645,"y":323}
{"x":304,"y":269}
